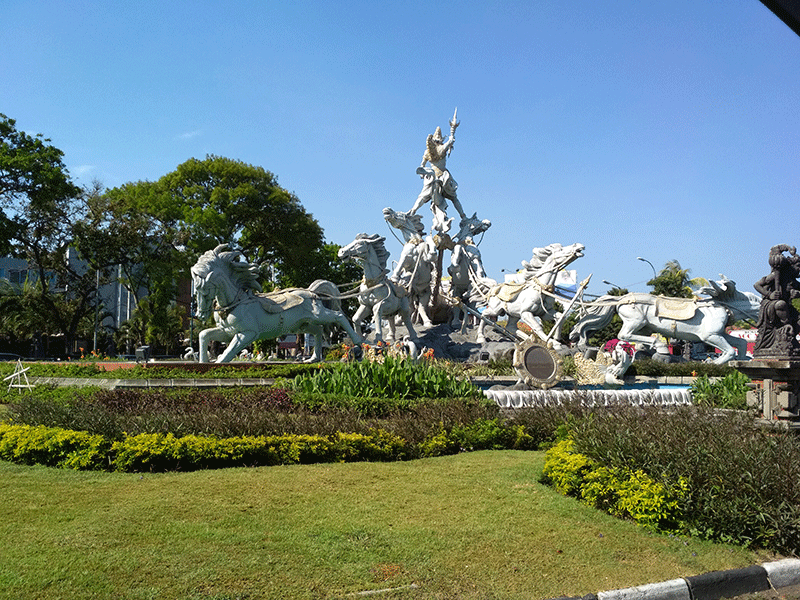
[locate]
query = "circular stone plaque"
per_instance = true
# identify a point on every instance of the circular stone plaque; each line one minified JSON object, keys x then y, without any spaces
{"x":536,"y":364}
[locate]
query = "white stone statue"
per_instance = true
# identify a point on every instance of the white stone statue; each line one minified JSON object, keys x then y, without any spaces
{"x":438,"y":184}
{"x":378,"y":295}
{"x":228,"y":288}
{"x":535,"y":298}
{"x":416,"y":265}
{"x":687,"y":319}
{"x":466,"y":267}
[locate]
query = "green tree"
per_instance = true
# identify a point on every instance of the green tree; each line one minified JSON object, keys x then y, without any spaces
{"x":38,"y":206}
{"x":672,"y":281}
{"x":226,"y":201}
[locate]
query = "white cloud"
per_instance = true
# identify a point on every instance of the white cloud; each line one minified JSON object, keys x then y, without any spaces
{"x":82,"y":170}
{"x":189,"y":135}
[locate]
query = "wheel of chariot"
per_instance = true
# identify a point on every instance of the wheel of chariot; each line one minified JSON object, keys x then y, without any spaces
{"x":537,"y":365}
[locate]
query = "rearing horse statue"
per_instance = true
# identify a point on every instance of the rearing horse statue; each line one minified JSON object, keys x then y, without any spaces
{"x":228,"y":288}
{"x":378,"y":295}
{"x":415,"y":267}
{"x":533,"y":299}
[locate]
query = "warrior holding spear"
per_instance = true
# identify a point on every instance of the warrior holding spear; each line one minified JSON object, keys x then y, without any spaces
{"x":438,"y":185}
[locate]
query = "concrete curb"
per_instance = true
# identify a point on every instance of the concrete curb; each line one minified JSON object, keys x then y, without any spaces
{"x":710,"y":586}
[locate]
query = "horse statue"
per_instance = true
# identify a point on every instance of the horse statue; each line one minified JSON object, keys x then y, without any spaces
{"x":535,"y":296}
{"x":689,"y":319}
{"x":378,"y":294}
{"x":466,"y":268}
{"x":228,"y":288}
{"x":415,"y":267}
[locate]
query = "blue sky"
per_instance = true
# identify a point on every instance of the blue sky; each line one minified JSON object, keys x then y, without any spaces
{"x":667,"y":130}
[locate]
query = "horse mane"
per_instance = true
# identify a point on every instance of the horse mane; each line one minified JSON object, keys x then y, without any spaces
{"x":539,"y":257}
{"x":376,"y":242}
{"x":243,"y":274}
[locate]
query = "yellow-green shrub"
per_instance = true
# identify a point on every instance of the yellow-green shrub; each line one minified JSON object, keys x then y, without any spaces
{"x":53,"y":446}
{"x":619,"y":491}
{"x":160,"y":452}
{"x":565,"y":469}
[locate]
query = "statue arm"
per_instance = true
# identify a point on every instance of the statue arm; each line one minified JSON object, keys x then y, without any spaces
{"x":762,"y":286}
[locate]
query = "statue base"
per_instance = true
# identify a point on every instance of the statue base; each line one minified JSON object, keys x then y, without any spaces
{"x":775,"y":389}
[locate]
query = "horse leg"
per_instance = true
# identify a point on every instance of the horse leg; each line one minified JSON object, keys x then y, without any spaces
{"x":213,"y":334}
{"x":422,"y":307}
{"x":491,"y":312}
{"x":238,"y":341}
{"x":531,"y":321}
{"x":405,"y":313}
{"x":361,"y":313}
{"x":378,"y":321}
{"x":727,"y":346}
{"x":316,"y":331}
{"x":342,"y":322}
{"x":630,"y":325}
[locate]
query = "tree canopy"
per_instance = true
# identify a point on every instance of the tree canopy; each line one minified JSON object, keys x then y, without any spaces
{"x":672,"y":281}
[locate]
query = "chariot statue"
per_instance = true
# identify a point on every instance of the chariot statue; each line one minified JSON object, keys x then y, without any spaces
{"x":690,"y":319}
{"x":228,"y":289}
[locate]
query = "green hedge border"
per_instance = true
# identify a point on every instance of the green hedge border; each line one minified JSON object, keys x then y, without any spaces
{"x":65,"y":448}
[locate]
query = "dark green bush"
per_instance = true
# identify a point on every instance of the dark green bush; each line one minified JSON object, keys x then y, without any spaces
{"x":742,"y":482}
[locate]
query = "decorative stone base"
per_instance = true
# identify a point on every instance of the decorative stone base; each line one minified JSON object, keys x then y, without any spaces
{"x":775,"y":388}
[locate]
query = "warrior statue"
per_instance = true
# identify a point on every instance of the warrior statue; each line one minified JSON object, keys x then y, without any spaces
{"x":778,"y":319}
{"x":438,"y":185}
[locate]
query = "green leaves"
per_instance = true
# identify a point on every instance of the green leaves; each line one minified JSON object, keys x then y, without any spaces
{"x":729,"y":391}
{"x":392,"y":378}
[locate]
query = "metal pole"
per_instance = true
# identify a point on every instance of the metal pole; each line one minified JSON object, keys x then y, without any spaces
{"x":649,"y":263}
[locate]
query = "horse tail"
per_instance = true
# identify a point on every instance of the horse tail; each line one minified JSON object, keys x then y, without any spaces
{"x":596,"y":316}
{"x":328,"y":293}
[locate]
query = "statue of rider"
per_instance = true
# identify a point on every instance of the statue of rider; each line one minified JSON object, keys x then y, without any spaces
{"x":438,"y":184}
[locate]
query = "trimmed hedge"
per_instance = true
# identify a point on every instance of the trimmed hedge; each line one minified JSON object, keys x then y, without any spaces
{"x":65,"y":448}
{"x":53,"y":446}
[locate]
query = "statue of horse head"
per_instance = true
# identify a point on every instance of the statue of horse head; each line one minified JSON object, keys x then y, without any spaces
{"x":743,"y":305}
{"x":552,"y":258}
{"x":217,"y":274}
{"x":370,"y":251}
{"x":472,"y":226}
{"x":408,"y":224}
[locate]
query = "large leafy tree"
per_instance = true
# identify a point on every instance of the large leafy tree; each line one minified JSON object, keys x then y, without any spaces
{"x":226,"y":201}
{"x":38,"y":206}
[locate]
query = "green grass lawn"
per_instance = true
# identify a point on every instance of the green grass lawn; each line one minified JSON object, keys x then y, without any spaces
{"x":474,"y":525}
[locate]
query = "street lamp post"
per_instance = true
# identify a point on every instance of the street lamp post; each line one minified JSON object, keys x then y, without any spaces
{"x":649,"y":263}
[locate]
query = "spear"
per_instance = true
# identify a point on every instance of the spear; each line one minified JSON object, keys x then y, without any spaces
{"x":578,"y":294}
{"x":454,"y":123}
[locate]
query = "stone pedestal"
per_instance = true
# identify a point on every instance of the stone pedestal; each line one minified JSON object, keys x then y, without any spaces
{"x":775,"y":388}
